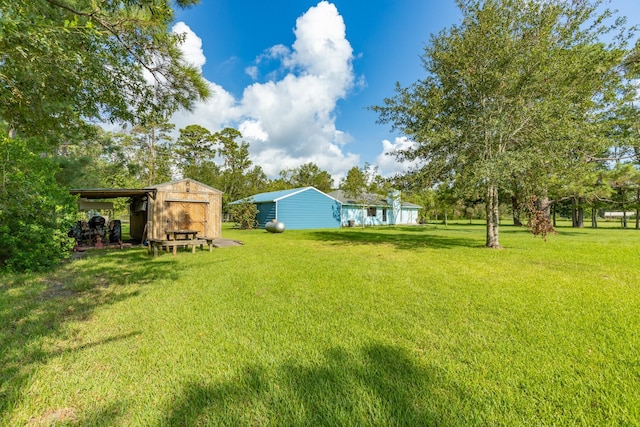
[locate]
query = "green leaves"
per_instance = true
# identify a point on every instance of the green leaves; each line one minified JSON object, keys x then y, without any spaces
{"x":35,"y":212}
{"x":308,"y":174}
{"x":515,"y":89}
{"x":67,"y":62}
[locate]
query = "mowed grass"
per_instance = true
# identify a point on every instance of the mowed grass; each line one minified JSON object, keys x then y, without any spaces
{"x":382,"y":326}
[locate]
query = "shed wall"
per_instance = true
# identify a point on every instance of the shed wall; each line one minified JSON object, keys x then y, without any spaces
{"x":185,"y":204}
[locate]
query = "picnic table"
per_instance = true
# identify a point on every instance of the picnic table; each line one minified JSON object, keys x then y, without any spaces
{"x":175,"y":238}
{"x":181,"y":234}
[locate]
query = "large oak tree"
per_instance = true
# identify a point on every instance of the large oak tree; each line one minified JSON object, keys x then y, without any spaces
{"x":513,"y":90}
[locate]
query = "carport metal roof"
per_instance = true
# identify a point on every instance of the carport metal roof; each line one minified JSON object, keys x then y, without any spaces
{"x":112,"y":193}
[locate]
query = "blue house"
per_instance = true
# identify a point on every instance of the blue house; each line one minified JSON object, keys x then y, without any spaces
{"x":370,"y":209}
{"x":299,"y":208}
{"x":373,"y":209}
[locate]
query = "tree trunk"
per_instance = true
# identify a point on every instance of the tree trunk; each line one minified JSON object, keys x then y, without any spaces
{"x":515,"y":209}
{"x":624,"y":211}
{"x":577,"y":212}
{"x":638,"y":210}
{"x":594,"y":218}
{"x":493,"y":217}
{"x":580,"y":217}
{"x":152,"y":156}
{"x":543,"y":204}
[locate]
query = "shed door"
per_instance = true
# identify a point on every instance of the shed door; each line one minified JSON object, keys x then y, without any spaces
{"x":187,"y":216}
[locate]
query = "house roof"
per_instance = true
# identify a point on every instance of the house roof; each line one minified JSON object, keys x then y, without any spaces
{"x":274,"y":196}
{"x":370,"y":199}
{"x":410,"y":205}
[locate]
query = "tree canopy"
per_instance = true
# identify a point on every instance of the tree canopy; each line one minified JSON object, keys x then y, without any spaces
{"x":66,"y":62}
{"x":514,"y":90}
{"x":307,"y":174}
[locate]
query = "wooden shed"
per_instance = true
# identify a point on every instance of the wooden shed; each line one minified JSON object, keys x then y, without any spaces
{"x":184,"y":204}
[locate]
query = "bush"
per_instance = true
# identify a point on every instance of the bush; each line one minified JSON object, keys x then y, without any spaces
{"x":35,"y":212}
{"x":244,"y":214}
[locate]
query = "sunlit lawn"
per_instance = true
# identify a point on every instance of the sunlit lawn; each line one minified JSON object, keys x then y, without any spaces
{"x":382,"y":326}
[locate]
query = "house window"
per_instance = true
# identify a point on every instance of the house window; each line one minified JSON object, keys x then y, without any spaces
{"x":384,"y":215}
{"x":372,"y":211}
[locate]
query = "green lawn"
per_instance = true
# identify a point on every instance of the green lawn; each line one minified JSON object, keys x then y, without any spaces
{"x":382,"y":326}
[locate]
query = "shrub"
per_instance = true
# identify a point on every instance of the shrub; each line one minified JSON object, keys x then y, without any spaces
{"x":35,"y":212}
{"x":244,"y":214}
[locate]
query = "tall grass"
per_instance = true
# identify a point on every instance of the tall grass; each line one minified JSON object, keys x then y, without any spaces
{"x":381,"y":326}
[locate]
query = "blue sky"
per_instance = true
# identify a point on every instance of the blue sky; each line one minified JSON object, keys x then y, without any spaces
{"x":296,"y":76}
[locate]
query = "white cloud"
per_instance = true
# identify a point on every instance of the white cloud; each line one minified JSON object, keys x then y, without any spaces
{"x":291,"y":120}
{"x":218,"y":112}
{"x":275,"y":52}
{"x":321,"y":47}
{"x":252,"y":129}
{"x":252,"y":72}
{"x":191,"y":46}
{"x":386,"y":161}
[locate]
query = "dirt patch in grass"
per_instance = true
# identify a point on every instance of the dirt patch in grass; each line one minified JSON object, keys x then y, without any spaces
{"x":55,"y":289}
{"x":54,"y":417}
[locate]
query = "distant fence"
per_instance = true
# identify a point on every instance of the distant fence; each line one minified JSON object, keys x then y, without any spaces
{"x":618,"y":215}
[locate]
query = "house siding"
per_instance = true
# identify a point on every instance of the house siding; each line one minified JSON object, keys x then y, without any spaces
{"x":266,"y":212}
{"x":298,"y":208}
{"x":354,"y":213}
{"x":408,"y":216}
{"x":351,"y":213}
{"x":309,"y":209}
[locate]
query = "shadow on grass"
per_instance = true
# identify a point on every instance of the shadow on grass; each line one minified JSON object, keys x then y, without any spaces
{"x":405,"y":237}
{"x":380,"y":386}
{"x":35,"y":309}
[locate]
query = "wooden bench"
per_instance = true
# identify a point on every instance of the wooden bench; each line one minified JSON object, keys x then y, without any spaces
{"x":209,"y":241}
{"x":154,"y":244}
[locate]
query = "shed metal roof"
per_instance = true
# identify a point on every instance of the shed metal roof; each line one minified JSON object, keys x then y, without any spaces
{"x":112,"y":193}
{"x":187,"y":180}
{"x":274,"y":196}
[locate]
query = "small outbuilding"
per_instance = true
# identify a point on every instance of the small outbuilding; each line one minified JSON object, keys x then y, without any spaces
{"x":299,"y":208}
{"x":184,"y":204}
